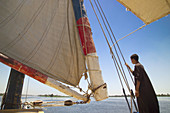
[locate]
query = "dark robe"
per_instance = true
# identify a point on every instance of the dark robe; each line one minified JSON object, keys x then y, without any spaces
{"x":147,"y":100}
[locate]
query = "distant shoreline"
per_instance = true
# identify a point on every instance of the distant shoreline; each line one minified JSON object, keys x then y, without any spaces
{"x":51,"y":95}
{"x":159,"y":95}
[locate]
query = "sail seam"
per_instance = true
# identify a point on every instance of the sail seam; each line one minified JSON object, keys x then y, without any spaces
{"x":40,"y":42}
{"x":13,"y":14}
{"x":69,"y":37}
{"x":20,"y":35}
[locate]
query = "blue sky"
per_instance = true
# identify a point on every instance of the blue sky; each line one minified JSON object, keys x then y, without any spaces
{"x":151,"y":43}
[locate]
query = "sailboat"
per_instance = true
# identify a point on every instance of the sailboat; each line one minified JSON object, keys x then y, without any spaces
{"x":51,"y":42}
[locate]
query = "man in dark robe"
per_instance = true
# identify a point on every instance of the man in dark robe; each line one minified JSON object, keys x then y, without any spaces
{"x":146,"y":97}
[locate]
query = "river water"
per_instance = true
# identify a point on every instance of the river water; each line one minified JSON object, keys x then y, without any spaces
{"x":110,"y":105}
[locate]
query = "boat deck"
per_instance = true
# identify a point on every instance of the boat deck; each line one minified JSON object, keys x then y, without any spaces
{"x":22,"y":111}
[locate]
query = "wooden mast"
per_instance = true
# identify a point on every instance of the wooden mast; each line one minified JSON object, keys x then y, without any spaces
{"x":12,"y":96}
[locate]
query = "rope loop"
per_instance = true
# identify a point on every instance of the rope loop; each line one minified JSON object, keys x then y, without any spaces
{"x":93,"y":90}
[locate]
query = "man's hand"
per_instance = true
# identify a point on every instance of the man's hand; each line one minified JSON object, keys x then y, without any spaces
{"x":136,"y":93}
{"x":129,"y":67}
{"x":126,"y":64}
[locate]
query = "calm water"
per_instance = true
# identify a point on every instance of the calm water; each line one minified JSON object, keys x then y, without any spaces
{"x":111,"y":105}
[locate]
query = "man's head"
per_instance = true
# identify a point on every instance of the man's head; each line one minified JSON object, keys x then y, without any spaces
{"x":134,"y":58}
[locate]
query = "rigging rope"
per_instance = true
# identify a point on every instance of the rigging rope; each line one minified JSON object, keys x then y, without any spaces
{"x":114,"y":46}
{"x":27,"y":89}
{"x":131,"y":91}
{"x":113,"y":56}
{"x":42,"y":104}
{"x":84,"y":34}
{"x":122,"y":85}
{"x":114,"y":38}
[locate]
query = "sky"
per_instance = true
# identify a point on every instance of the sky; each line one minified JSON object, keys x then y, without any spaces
{"x":151,"y":43}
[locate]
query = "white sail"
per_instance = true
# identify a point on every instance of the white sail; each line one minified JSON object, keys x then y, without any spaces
{"x":42,"y":34}
{"x":97,"y":82}
{"x":148,"y":10}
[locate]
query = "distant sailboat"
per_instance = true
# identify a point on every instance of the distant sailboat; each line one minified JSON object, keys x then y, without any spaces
{"x":51,"y":41}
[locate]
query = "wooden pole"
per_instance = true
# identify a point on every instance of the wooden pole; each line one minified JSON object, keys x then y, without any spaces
{"x":40,"y":77}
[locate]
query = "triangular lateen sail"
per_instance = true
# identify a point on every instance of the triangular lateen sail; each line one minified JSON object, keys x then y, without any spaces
{"x":42,"y":34}
{"x":40,"y":38}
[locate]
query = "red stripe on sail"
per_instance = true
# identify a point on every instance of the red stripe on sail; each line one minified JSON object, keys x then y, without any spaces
{"x":23,"y":68}
{"x":86,"y":36}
